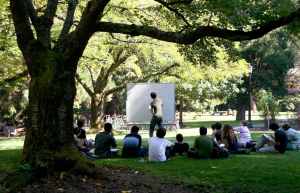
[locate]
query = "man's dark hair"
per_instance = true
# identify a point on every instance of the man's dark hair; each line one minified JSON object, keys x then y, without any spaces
{"x":135,"y":129}
{"x":213,"y":126}
{"x":161,"y":132}
{"x":80,"y":122}
{"x":153,"y":95}
{"x":179,"y":138}
{"x":107,"y":127}
{"x":274,"y":126}
{"x":203,"y":130}
{"x":245,"y":123}
{"x":218,"y":125}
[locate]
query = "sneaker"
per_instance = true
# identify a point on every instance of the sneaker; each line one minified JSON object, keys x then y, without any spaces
{"x":168,"y":159}
{"x":253,"y":149}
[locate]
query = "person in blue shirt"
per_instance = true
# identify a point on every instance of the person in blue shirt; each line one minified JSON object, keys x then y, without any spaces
{"x":276,"y":144}
{"x":132,"y":145}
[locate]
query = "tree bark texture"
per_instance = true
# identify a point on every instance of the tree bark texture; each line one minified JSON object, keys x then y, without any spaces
{"x":97,"y":111}
{"x":240,"y":111}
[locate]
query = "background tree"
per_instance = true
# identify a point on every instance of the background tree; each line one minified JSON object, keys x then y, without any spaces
{"x":271,"y":58}
{"x":125,"y":69}
{"x":52,"y":56}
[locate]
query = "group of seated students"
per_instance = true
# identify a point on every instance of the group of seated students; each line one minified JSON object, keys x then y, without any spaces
{"x":161,"y":149}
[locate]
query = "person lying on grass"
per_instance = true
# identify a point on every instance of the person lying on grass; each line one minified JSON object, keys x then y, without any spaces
{"x":203,"y":146}
{"x":180,"y":148}
{"x":293,"y":138}
{"x":245,"y":135}
{"x":159,"y":148}
{"x":276,"y":144}
{"x":132,"y":145}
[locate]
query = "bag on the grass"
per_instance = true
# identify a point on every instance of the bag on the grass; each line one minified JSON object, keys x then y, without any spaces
{"x":219,"y":152}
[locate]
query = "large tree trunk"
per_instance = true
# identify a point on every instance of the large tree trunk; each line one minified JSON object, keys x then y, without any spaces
{"x":241,"y":109}
{"x":49,"y":138}
{"x":97,"y":111}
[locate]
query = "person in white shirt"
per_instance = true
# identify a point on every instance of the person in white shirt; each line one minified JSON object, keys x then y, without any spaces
{"x":245,"y":135}
{"x":159,"y":147}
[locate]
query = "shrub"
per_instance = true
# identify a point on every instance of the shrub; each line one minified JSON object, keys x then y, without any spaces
{"x":266,"y":99}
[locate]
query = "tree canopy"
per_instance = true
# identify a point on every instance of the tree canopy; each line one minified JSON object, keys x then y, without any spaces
{"x":53,"y":35}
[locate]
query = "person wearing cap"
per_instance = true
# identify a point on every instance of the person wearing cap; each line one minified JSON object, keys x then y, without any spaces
{"x":156,"y":111}
{"x":103,"y":141}
{"x":276,"y":144}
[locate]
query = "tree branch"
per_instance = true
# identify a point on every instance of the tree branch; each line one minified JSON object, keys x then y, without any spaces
{"x":200,"y":32}
{"x":142,"y":78}
{"x":87,"y":89}
{"x":92,"y":74}
{"x":180,"y":2}
{"x":16,"y":77}
{"x":69,"y":19}
{"x":25,"y":37}
{"x":173,"y":10}
{"x":32,"y":13}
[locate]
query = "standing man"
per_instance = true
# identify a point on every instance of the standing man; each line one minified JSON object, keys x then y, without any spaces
{"x":156,"y":109}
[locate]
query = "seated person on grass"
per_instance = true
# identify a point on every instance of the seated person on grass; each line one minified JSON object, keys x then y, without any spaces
{"x":203,"y":146}
{"x":81,"y":136}
{"x":159,"y":148}
{"x":245,"y":135}
{"x":103,"y":142}
{"x":180,"y":148}
{"x":84,"y":151}
{"x":218,"y":133}
{"x":276,"y":146}
{"x":293,"y":138}
{"x":213,"y":135}
{"x":132,"y":144}
{"x":230,"y":139}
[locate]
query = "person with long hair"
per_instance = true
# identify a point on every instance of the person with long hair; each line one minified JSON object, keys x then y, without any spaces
{"x":229,"y":138}
{"x":293,"y":137}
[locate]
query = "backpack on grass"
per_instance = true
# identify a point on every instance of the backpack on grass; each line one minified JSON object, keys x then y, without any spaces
{"x":220,"y":153}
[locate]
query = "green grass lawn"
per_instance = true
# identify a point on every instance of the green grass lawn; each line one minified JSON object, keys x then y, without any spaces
{"x":240,"y":173}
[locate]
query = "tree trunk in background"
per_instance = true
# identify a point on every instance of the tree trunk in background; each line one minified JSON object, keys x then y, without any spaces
{"x":241,"y":110}
{"x":97,"y":111}
{"x":181,"y":109}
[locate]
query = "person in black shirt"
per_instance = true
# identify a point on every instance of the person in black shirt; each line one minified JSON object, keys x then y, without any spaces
{"x":180,"y":148}
{"x":277,"y":145}
{"x":218,"y":134}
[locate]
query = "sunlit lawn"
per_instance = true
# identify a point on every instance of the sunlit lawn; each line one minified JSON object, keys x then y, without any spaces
{"x":240,"y":173}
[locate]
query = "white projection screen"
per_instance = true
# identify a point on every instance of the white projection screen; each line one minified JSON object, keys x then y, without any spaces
{"x":138,"y":101}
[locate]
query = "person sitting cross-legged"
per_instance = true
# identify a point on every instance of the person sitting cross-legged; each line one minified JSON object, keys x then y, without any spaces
{"x":203,"y":146}
{"x":132,"y":145}
{"x":159,"y":148}
{"x":277,"y":146}
{"x":180,"y":148}
{"x":103,"y":142}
